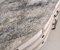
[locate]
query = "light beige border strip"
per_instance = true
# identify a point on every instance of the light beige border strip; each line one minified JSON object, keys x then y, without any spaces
{"x":30,"y":41}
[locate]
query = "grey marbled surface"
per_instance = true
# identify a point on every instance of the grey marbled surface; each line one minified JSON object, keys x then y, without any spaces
{"x":19,"y":19}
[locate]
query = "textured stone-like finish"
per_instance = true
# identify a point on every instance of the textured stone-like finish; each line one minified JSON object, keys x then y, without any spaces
{"x":18,"y":19}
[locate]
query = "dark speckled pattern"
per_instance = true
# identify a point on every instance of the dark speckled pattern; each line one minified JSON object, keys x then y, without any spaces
{"x":18,"y":20}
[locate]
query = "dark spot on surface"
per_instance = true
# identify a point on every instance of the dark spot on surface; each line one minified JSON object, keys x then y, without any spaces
{"x":39,"y":4}
{"x":1,"y":33}
{"x":17,"y":49}
{"x":14,"y":36}
{"x":0,"y":23}
{"x":43,"y":42}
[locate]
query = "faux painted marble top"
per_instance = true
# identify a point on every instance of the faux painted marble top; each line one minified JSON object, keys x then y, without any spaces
{"x":19,"y":19}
